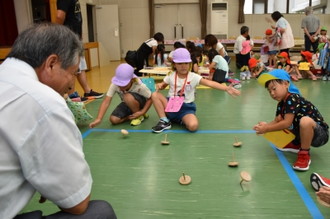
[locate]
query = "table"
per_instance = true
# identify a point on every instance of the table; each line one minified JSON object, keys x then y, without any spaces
{"x":162,"y":71}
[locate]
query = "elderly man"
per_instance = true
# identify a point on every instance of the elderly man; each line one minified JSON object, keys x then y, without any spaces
{"x":311,"y":26}
{"x":41,"y":146}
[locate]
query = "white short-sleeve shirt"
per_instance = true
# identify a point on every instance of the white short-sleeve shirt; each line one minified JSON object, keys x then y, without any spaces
{"x":41,"y":146}
{"x":193,"y":80}
{"x":137,"y":87}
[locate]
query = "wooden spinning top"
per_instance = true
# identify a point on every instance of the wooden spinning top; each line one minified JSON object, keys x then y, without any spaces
{"x":237,"y":143}
{"x":245,"y":177}
{"x":165,"y":141}
{"x":233,"y":163}
{"x":184,"y":179}
{"x":124,"y":132}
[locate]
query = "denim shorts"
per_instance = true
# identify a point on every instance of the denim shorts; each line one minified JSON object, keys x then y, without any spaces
{"x":186,"y":108}
{"x":122,"y":110}
{"x":273,"y":52}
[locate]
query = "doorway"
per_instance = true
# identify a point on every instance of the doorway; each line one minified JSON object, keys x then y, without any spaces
{"x":175,"y":21}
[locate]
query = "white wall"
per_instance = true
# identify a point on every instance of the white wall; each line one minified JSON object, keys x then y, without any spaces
{"x":134,"y":20}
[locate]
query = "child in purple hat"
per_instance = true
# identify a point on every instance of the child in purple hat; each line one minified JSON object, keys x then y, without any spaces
{"x":135,"y":97}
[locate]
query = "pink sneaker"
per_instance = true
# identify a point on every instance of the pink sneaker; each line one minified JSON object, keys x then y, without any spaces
{"x":291,"y":148}
{"x":303,"y":161}
{"x":318,"y":181}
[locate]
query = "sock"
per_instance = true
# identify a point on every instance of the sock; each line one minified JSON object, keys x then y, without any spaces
{"x":165,"y":119}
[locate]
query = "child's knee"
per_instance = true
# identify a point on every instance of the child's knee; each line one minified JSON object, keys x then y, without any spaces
{"x":306,"y":122}
{"x":192,"y":126}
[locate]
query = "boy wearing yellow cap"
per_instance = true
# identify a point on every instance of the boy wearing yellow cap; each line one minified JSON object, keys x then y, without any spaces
{"x":296,"y":114}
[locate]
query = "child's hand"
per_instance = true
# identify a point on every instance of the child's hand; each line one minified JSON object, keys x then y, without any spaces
{"x":232,"y":91}
{"x":94,"y":123}
{"x":260,"y":128}
{"x":324,"y":194}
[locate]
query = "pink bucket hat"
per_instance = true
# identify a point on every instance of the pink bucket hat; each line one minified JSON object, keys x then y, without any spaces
{"x":124,"y":74}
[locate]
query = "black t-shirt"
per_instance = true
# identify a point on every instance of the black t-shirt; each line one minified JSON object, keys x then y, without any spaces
{"x":73,"y":18}
{"x":300,"y":107}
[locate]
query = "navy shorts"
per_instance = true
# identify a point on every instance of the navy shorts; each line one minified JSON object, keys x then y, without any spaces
{"x":122,"y":110}
{"x":186,"y":108}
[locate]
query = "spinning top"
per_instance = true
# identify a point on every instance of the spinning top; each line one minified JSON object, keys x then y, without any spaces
{"x":184,"y":179}
{"x":245,"y":177}
{"x":165,"y":141}
{"x":237,"y":143}
{"x":233,"y":163}
{"x":124,"y":132}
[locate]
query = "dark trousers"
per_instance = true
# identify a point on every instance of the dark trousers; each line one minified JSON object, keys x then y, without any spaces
{"x":96,"y":209}
{"x":309,"y":43}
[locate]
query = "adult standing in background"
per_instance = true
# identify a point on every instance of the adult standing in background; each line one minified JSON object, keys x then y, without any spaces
{"x":311,"y":26}
{"x":283,"y":27}
{"x":147,"y":50}
{"x":69,"y":14}
{"x":41,"y":151}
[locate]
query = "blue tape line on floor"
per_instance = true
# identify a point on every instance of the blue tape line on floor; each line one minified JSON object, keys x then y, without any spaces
{"x":310,"y":204}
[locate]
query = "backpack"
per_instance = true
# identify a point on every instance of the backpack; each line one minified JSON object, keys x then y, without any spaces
{"x":131,"y":57}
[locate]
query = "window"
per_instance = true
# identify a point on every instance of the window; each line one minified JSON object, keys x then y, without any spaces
{"x":283,"y":6}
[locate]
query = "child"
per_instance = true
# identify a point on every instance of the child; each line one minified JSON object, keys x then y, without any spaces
{"x":134,"y":94}
{"x":182,"y":86}
{"x":306,"y":58}
{"x":218,"y":67}
{"x":285,"y":64}
{"x":256,"y":67}
{"x":160,"y":59}
{"x":323,"y":37}
{"x":295,"y":113}
{"x":176,"y":45}
{"x":270,"y":42}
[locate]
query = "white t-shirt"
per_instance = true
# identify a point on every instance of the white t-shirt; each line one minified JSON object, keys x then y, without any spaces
{"x":41,"y":146}
{"x":151,"y":42}
{"x":137,"y":87}
{"x":221,"y":63}
{"x":238,"y":44}
{"x":220,"y":46}
{"x":193,"y":80}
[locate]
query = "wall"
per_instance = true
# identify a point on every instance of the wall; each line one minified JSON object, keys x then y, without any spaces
{"x":134,"y":21}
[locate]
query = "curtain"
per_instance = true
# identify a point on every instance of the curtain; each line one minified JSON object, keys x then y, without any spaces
{"x":241,"y":18}
{"x":152,"y":17}
{"x":203,"y":13}
{"x":8,"y":32}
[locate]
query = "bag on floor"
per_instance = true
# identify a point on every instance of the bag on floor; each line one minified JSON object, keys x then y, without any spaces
{"x":79,"y":112}
{"x":219,"y":75}
{"x":131,"y":57}
{"x":150,"y":83}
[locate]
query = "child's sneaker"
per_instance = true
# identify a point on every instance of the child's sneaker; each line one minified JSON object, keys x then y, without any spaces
{"x":290,"y":148}
{"x":324,"y":78}
{"x":93,"y":94}
{"x":318,"y":181}
{"x":137,"y":121}
{"x":303,"y":161}
{"x":161,"y":126}
{"x":242,"y":76}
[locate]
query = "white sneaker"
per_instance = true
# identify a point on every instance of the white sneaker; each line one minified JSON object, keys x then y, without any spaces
{"x":243,"y":76}
{"x":325,"y":78}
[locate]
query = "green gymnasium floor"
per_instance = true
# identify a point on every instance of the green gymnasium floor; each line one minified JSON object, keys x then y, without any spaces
{"x":139,"y":176}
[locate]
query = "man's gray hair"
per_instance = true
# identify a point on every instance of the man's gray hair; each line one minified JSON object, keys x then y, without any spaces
{"x":309,"y":10}
{"x":35,"y":44}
